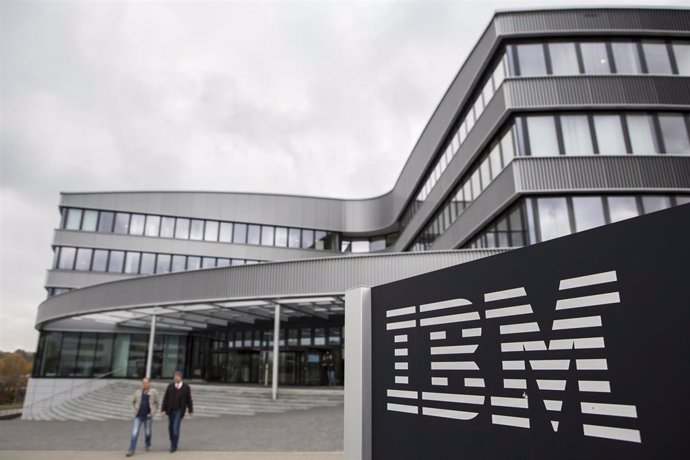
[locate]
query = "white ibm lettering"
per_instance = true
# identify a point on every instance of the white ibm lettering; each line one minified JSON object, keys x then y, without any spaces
{"x":453,"y":334}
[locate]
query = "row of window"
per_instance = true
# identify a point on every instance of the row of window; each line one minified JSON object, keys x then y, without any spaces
{"x":559,"y":58}
{"x":630,"y":56}
{"x":196,"y":229}
{"x":90,"y":354}
{"x":89,"y":220}
{"x":533,"y":220}
{"x":134,"y":262}
{"x":600,"y":133}
{"x":256,"y":338}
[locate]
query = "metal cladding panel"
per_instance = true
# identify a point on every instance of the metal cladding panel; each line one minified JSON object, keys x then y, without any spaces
{"x":597,"y":90}
{"x":271,"y":280}
{"x":592,"y":19}
{"x":77,"y":279}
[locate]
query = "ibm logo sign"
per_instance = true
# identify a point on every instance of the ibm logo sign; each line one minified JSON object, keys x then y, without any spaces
{"x":454,"y":328}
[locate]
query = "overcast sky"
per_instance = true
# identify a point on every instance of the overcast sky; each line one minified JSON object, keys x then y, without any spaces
{"x":318,"y":98}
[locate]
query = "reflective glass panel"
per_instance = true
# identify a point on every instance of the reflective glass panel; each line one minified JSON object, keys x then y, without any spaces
{"x":594,"y":58}
{"x":121,"y":223}
{"x":495,"y":160}
{"x":622,"y":207}
{"x":136,"y":224}
{"x":100,"y":260}
{"x":67,"y":258}
{"x":682,"y":53}
{"x":182,"y":228}
{"x":281,"y":237}
{"x":563,"y":59}
{"x":360,"y":246}
{"x":116,"y":261}
{"x":167,"y":227}
{"x":656,"y":56}
{"x":163,"y":263}
{"x":105,"y":221}
{"x":83,"y":259}
{"x":73,"y":219}
{"x":178,"y":263}
{"x":507,"y":147}
{"x":193,"y":262}
{"x":87,"y":349}
{"x":148,"y":262}
{"x":196,"y":231}
{"x":542,"y":135}
{"x":208,"y":262}
{"x":68,"y":354}
{"x":253,"y":234}
{"x":577,"y":139}
{"x":211,"y":231}
{"x":553,"y":218}
{"x":589,"y":212}
{"x":305,"y":336}
{"x":308,"y":239}
{"x":610,"y":137}
{"x":153,"y":224}
{"x":626,"y":57}
{"x":652,"y":203}
{"x":319,"y":336}
{"x":485,"y":173}
{"x":90,"y":221}
{"x":104,"y":354}
{"x":223,"y":262}
{"x":267,"y":235}
{"x":675,"y":134}
{"x":531,"y":59}
{"x":641,"y":131}
{"x":132,"y":262}
{"x":294,"y":240}
{"x":240,"y":234}
{"x":225,"y":234}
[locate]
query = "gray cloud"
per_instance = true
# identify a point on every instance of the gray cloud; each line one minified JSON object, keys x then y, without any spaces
{"x":320,"y":98}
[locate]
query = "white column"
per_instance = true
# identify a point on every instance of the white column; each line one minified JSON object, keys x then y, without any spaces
{"x":152,"y":336}
{"x":276,"y":350}
{"x":358,"y":374}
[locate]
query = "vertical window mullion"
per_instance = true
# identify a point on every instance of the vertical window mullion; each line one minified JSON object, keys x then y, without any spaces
{"x":547,"y":59}
{"x":580,"y":61}
{"x":559,"y":135}
{"x":593,"y":134}
{"x":643,"y":59}
{"x":571,"y":214}
{"x":658,"y":134}
{"x":626,"y":133}
{"x":672,"y":58}
{"x":609,"y":57}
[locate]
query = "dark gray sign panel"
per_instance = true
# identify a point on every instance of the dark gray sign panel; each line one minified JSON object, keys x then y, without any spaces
{"x":577,"y":348}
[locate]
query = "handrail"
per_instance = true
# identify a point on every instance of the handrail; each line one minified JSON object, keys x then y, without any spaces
{"x":72,"y":388}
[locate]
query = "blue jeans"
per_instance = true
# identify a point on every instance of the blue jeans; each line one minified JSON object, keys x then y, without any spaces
{"x":174,"y":419}
{"x":148,"y":428}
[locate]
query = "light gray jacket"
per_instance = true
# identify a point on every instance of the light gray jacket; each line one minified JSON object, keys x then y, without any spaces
{"x":153,"y":401}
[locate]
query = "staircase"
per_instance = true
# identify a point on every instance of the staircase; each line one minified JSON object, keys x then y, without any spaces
{"x":115,"y":401}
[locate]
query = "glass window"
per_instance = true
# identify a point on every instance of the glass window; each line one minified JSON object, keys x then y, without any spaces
{"x":485,"y":173}
{"x":294,"y":240}
{"x":626,"y":57}
{"x":589,"y":212}
{"x":641,"y":131}
{"x":67,"y":258}
{"x":223,"y":262}
{"x":652,"y":203}
{"x":83,"y":259}
{"x":56,"y":257}
{"x":132,"y":262}
{"x":73,"y":219}
{"x":531,"y":59}
{"x":360,"y":246}
{"x":542,"y":135}
{"x":499,"y":73}
{"x":103,"y":356}
{"x":196,"y":229}
{"x":563,"y":59}
{"x":148,"y":263}
{"x":87,"y":348}
{"x":281,"y":237}
{"x":167,"y":227}
{"x":68,"y":354}
{"x":656,"y":56}
{"x":105,"y":221}
{"x":308,"y":239}
{"x":476,"y":184}
{"x":682,"y":53}
{"x":319,"y":336}
{"x":622,"y":207}
{"x":211,"y":231}
{"x":266,"y":235}
{"x":136,"y":224}
{"x":116,"y":261}
{"x":225,"y":234}
{"x":507,"y":147}
{"x":292,"y":340}
{"x":553,"y":218}
{"x":610,"y":137}
{"x":178,"y":263}
{"x":577,"y":139}
{"x":121,"y":223}
{"x":193,"y":262}
{"x":153,"y":224}
{"x":182,"y":228}
{"x":240,"y":234}
{"x":100,"y":260}
{"x":682,"y":199}
{"x":237,"y":262}
{"x":675,"y":134}
{"x":208,"y":262}
{"x":467,"y":191}
{"x":594,"y":57}
{"x":253,"y":234}
{"x":163,"y":263}
{"x":488,"y":91}
{"x":334,"y":336}
{"x":89,"y":221}
{"x":377,"y":245}
{"x":305,"y":336}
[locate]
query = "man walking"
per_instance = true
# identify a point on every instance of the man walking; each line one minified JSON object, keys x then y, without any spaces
{"x":145,"y":404}
{"x":177,"y":399}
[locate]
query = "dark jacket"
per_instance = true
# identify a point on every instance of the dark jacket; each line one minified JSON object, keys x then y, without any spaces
{"x":178,"y":399}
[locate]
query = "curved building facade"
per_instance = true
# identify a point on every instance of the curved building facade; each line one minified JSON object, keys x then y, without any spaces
{"x":559,"y":121}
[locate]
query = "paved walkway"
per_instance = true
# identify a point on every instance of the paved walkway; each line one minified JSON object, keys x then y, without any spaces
{"x":301,"y":434}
